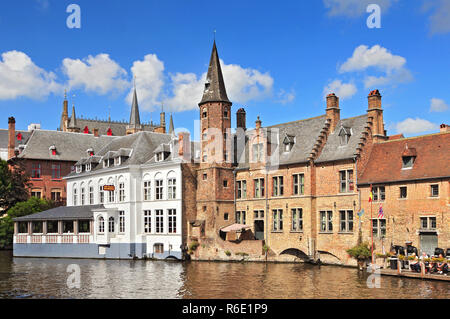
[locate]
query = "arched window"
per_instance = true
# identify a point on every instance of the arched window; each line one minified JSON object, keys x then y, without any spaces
{"x":204,"y":113}
{"x":225,"y":113}
{"x":75,"y":195}
{"x":111,"y":224}
{"x":101,"y":225}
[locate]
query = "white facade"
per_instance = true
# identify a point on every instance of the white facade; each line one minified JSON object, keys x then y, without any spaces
{"x":145,"y":209}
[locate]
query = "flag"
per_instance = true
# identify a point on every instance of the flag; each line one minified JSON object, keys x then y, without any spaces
{"x":380,"y":212}
{"x":370,"y":194}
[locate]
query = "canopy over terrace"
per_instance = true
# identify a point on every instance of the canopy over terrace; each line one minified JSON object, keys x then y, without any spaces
{"x":230,"y":232}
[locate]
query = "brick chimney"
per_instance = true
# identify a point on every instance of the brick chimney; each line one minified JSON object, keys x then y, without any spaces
{"x":11,"y":137}
{"x":96,"y":132}
{"x":375,"y":114}
{"x":445,"y":128}
{"x":184,"y":146}
{"x":333,"y":111}
{"x":241,"y":119}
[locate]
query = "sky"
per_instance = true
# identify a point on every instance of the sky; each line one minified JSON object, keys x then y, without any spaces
{"x":279,"y":59}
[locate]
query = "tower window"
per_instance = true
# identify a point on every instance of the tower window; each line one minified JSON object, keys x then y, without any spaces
{"x":204,"y":113}
{"x":225,"y":113}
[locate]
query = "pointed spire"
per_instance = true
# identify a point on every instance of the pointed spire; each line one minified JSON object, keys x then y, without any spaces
{"x":73,"y":118}
{"x":214,"y":87}
{"x":135,"y":119}
{"x":171,"y":126}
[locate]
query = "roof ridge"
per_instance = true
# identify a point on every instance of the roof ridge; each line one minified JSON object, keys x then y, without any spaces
{"x":413,"y":137}
{"x":296,"y":121}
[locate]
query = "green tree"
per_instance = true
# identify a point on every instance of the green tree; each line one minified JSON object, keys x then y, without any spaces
{"x":14,"y":184}
{"x":31,"y":206}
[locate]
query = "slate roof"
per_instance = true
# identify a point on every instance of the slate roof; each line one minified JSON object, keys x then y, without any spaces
{"x":333,"y":150}
{"x":304,"y":132}
{"x":135,"y":120}
{"x":117,"y":128}
{"x":63,"y":213}
{"x":4,"y":138}
{"x":215,"y":86}
{"x":69,"y":146}
{"x":385,"y":162}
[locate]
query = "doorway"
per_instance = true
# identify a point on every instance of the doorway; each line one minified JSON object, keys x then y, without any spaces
{"x":428,"y":242}
{"x":259,"y":229}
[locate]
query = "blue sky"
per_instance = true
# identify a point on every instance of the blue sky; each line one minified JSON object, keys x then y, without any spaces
{"x":279,"y":59}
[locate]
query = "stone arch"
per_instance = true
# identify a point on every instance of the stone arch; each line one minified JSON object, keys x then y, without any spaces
{"x":327,"y":253}
{"x":295,"y":252}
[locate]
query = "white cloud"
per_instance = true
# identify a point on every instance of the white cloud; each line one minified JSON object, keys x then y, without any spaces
{"x":414,"y":126}
{"x":20,"y":77}
{"x":438,"y":105}
{"x":242,"y":85}
{"x":149,"y":75}
{"x":381,"y":60}
{"x":285,"y":97}
{"x":98,"y":74}
{"x":353,"y":8}
{"x":439,"y":18}
{"x":341,"y":89}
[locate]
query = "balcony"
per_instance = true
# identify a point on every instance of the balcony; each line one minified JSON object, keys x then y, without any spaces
{"x":53,"y":239}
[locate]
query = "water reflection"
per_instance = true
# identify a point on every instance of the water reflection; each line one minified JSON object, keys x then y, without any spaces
{"x":47,"y":278}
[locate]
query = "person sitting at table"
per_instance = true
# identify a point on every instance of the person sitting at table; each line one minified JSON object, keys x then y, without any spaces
{"x":426,"y":263}
{"x":415,"y":264}
{"x":441,"y":267}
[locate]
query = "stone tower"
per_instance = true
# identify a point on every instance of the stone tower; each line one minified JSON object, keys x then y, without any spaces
{"x":134,"y":125}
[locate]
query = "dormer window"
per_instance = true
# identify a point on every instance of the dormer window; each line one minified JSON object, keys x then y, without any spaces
{"x":79,"y":169}
{"x":19,"y":136}
{"x":90,"y":152}
{"x":109,"y":132}
{"x":408,"y":161}
{"x":117,"y":161}
{"x":408,"y":157}
{"x":344,"y":135}
{"x":88,"y":167}
{"x":288,"y":142}
{"x":160,"y":156}
{"x":86,"y":130}
{"x":53,"y":150}
{"x":106,"y":163}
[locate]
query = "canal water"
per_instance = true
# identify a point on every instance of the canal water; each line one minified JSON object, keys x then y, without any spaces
{"x":48,"y":278}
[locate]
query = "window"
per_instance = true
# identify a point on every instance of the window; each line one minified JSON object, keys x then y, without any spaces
{"x":225,"y":113}
{"x":225,"y":183}
{"x":159,"y":221}
{"x":241,"y":189}
{"x":56,"y":171}
{"x":428,"y":223}
{"x":56,"y":195}
{"x":160,"y":156}
{"x":68,"y":227}
{"x":259,"y":187}
{"x":159,"y":189}
{"x":344,"y":136}
{"x":346,"y":181}
{"x":241,"y":217}
{"x":204,"y":135}
{"x":84,"y":226}
{"x":403,"y":192}
{"x":37,"y":227}
{"x":88,"y":167}
{"x":258,"y":214}
{"x":205,"y":176}
{"x":407,"y":161}
{"x":121,"y":221}
{"x":258,"y":151}
{"x":346,"y":224}
{"x":158,"y":248}
{"x":298,"y":181}
{"x":379,"y":193}
{"x":277,"y":186}
{"x":204,"y":113}
{"x":75,"y":195}
{"x":79,"y":168}
{"x":101,"y":225}
{"x":117,"y":161}
{"x":225,"y":216}
{"x":36,"y":193}
{"x":147,"y":221}
{"x":147,"y":190}
{"x":23,"y":227}
{"x":171,"y":188}
{"x":379,"y":228}
{"x":111,"y":197}
{"x":106,"y":163}
{"x":277,"y":219}
{"x":91,"y":195}
{"x":52,"y":227}
{"x":297,"y":219}
{"x":121,"y":192}
{"x":326,"y":221}
{"x":434,"y":190}
{"x":101,"y":194}
{"x":83,"y":195}
{"x":36,"y":170}
{"x":172,"y":219}
{"x":111,"y":224}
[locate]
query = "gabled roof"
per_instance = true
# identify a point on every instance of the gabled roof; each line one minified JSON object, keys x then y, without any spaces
{"x":215,"y":86}
{"x":432,"y":160}
{"x":333,"y":150}
{"x":69,"y":146}
{"x":4,"y":137}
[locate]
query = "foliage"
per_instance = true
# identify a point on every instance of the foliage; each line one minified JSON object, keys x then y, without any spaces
{"x":266,"y":248}
{"x":401,"y":257}
{"x":384,"y":256}
{"x":360,"y":252}
{"x":193,"y":245}
{"x":31,"y":206}
{"x":14,"y":184}
{"x":228,"y":253}
{"x":413,"y":257}
{"x":437,"y":260}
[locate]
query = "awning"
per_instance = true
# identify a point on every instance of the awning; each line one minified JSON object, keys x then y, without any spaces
{"x":234,"y":227}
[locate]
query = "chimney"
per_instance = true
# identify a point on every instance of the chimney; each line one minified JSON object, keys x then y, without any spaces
{"x":163,"y":122}
{"x":96,"y":132}
{"x":11,"y":137}
{"x":445,"y":128}
{"x":375,"y":114}
{"x":184,"y":146}
{"x":333,"y":111}
{"x":240,"y":119}
{"x":258,"y":123}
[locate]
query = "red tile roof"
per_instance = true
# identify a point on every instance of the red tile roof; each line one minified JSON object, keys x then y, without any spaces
{"x":396,"y":137}
{"x":432,"y":159}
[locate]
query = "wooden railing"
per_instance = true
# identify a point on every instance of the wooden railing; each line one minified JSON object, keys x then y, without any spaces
{"x":52,"y":239}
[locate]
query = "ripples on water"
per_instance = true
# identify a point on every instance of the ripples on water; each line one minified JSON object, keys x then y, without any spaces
{"x":46,"y":278}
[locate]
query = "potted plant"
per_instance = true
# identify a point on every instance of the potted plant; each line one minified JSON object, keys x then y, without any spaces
{"x":361,"y":253}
